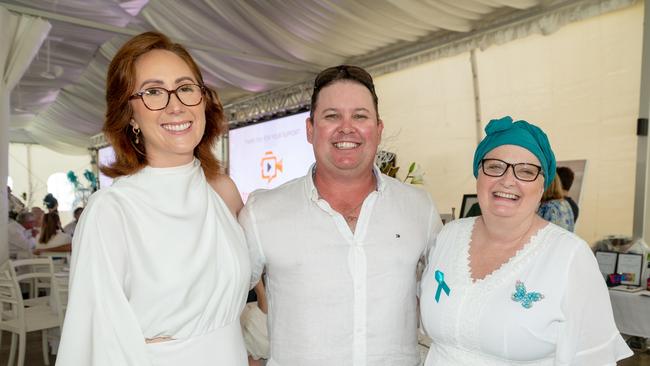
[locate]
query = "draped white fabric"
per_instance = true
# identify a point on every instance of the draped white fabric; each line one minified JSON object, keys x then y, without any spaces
{"x":20,"y":40}
{"x":247,"y":47}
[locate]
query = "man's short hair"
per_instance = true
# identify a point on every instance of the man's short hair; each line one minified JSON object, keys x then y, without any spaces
{"x":77,"y":211}
{"x":24,"y":217}
{"x":566,"y":177}
{"x":338,"y":73}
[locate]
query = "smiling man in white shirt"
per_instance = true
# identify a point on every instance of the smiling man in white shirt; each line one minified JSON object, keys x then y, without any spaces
{"x":341,"y":245}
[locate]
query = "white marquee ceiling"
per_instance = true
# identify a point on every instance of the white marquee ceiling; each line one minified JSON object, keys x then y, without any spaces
{"x":243,"y":47}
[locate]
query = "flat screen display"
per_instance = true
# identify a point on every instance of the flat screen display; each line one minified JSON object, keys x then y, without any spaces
{"x":267,"y":154}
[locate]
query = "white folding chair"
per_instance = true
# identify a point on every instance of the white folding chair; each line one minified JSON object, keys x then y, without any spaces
{"x":35,"y":273}
{"x":18,"y":318}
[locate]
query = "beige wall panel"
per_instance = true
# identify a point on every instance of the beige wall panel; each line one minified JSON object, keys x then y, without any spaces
{"x":428,"y":113}
{"x":590,"y":100}
{"x":581,"y":84}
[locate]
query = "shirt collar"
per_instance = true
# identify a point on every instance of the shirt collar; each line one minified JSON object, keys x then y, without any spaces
{"x":313,"y":192}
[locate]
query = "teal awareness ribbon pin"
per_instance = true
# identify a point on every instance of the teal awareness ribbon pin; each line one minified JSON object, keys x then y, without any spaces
{"x":442,"y":285}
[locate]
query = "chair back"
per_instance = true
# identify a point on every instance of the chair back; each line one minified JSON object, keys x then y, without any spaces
{"x":12,"y":310}
{"x":37,"y":273}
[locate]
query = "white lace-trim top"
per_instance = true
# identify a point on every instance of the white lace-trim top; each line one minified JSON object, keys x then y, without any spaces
{"x":479,"y":323}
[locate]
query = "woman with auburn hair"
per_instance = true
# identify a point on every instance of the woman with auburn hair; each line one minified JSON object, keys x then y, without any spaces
{"x":52,"y":238}
{"x":160,"y":270}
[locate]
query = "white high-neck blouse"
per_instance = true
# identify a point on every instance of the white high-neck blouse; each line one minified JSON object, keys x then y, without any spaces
{"x":156,"y":254}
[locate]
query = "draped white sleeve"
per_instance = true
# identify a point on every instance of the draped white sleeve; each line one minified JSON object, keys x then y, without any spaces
{"x":589,"y":336}
{"x":98,"y":310}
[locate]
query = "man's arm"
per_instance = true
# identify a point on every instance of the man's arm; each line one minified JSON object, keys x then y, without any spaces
{"x":255,"y":253}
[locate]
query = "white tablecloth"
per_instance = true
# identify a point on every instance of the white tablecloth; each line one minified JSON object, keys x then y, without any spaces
{"x":631,"y":312}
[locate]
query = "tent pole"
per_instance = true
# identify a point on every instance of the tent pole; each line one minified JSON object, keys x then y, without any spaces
{"x":641,"y":226}
{"x":477,"y":96}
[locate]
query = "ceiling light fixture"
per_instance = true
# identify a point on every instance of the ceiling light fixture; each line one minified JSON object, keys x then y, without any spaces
{"x":50,"y":73}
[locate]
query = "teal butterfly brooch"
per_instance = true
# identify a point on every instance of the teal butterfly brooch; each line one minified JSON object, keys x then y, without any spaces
{"x":525,"y":298}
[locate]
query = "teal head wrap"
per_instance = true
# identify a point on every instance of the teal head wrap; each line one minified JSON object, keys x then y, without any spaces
{"x":521,"y":133}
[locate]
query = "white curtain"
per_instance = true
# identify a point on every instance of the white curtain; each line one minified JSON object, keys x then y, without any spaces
{"x":20,"y":38}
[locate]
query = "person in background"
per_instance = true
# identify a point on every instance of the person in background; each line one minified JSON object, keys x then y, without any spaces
{"x":38,"y":216}
{"x":566,"y":178}
{"x":70,"y":227}
{"x":22,"y":236}
{"x":507,"y":287}
{"x":51,"y":203}
{"x":554,"y":208}
{"x":15,"y":204}
{"x":159,"y":271}
{"x":341,"y":245}
{"x":38,"y":219}
{"x":52,"y":238}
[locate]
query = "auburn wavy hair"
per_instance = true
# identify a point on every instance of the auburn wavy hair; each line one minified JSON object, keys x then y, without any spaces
{"x":120,"y":85}
{"x":51,"y":224}
{"x":554,"y":191}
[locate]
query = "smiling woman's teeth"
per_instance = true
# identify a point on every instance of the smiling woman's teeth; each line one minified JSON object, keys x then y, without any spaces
{"x":505,"y":195}
{"x":345,"y":145}
{"x":177,"y":126}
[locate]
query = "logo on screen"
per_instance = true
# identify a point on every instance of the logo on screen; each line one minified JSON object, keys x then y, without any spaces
{"x":270,"y":166}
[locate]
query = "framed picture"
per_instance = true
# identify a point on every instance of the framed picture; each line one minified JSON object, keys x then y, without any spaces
{"x":606,"y":262}
{"x":469,"y":200}
{"x":630,"y":266}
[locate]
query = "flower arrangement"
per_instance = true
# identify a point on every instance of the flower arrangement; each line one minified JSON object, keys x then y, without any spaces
{"x":386,"y":161}
{"x":414,"y":175}
{"x":82,"y":193}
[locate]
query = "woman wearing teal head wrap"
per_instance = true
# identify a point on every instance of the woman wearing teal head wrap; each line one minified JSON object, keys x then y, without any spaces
{"x":518,"y":289}
{"x":521,"y":133}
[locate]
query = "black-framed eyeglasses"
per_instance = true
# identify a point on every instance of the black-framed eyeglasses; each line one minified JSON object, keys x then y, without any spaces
{"x":157,"y":98}
{"x":523,"y":171}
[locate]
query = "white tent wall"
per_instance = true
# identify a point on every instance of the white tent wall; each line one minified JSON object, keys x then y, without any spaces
{"x":580,"y":84}
{"x":20,"y":39}
{"x":34,"y":164}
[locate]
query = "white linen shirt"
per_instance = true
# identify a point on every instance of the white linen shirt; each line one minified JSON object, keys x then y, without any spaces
{"x":21,"y":241}
{"x":338,"y":297}
{"x":69,"y":228}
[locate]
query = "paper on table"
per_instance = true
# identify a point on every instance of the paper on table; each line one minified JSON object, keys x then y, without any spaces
{"x":626,"y":288}
{"x":606,"y":262}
